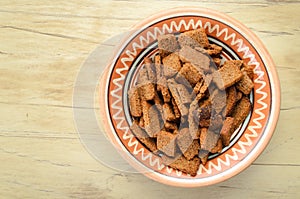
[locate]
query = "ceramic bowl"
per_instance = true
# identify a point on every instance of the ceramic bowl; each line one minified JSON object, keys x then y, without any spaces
{"x":249,"y":140}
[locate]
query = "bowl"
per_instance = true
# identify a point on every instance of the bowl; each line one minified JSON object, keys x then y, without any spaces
{"x":248,"y":141}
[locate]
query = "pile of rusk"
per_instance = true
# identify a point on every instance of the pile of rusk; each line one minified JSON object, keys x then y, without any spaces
{"x":186,"y":102}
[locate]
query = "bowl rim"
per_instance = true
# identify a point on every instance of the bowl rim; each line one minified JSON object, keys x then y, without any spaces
{"x":274,"y":110}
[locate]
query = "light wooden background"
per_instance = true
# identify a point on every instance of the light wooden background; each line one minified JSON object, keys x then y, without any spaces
{"x":42,"y":47}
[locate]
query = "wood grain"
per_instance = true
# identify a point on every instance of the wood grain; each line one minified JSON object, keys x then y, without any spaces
{"x":43,"y":45}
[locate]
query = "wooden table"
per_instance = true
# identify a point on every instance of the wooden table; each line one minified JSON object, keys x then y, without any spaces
{"x":42,"y":47}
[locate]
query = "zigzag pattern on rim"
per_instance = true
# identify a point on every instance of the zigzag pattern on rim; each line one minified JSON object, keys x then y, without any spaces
{"x":153,"y":33}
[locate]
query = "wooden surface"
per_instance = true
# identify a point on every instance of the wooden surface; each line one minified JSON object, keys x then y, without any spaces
{"x":42,"y":47}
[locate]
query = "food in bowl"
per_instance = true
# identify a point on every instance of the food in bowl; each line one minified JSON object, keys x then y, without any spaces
{"x":187,"y":101}
{"x":238,"y":43}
